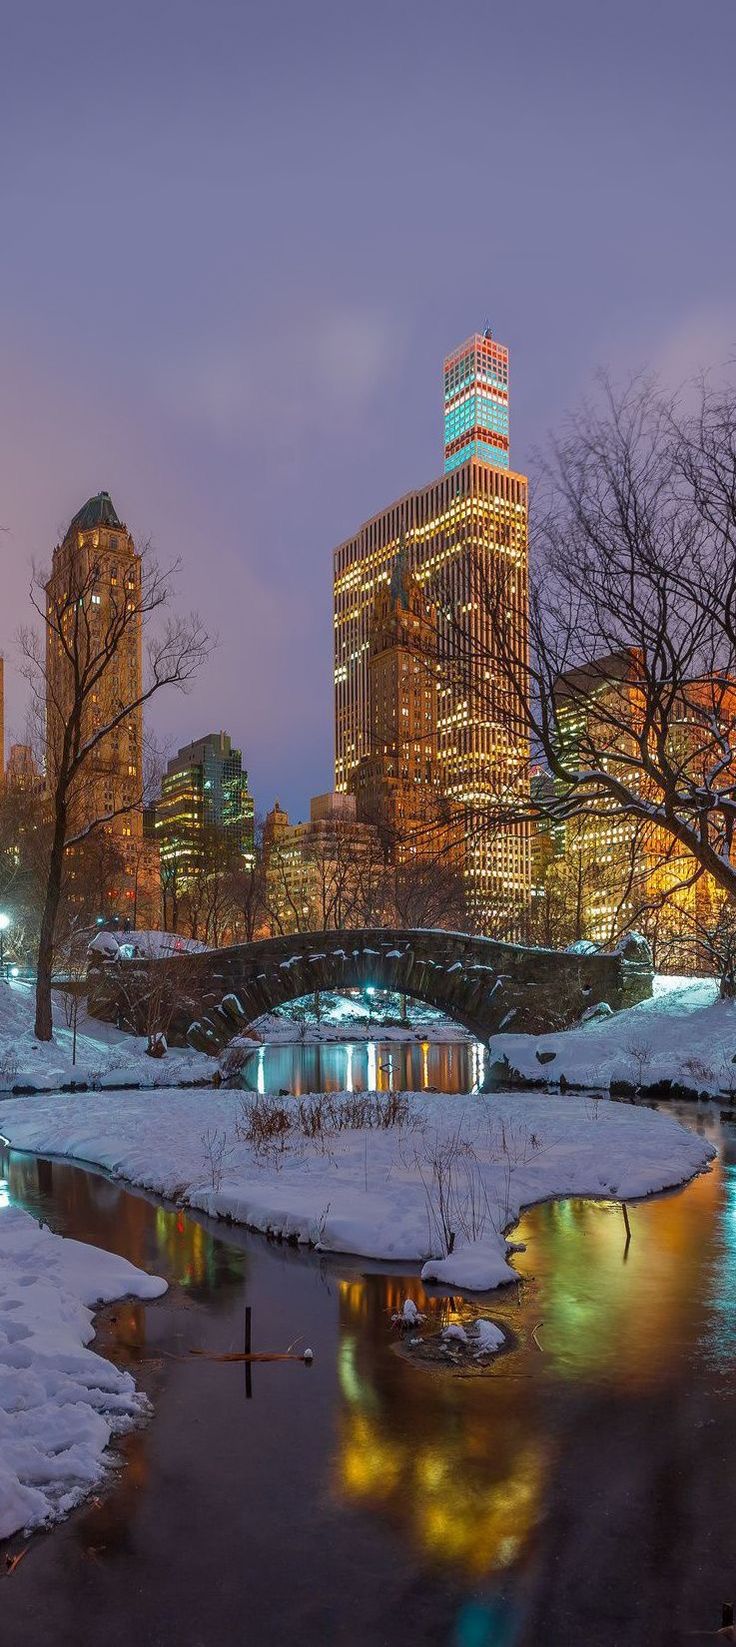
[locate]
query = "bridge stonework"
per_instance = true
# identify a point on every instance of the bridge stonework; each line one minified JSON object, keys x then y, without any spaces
{"x":485,"y":985}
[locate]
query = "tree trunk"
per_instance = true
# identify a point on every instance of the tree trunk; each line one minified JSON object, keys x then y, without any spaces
{"x":44,"y":1026}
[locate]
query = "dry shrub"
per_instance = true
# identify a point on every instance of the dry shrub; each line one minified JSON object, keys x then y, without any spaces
{"x":234,"y":1057}
{"x":641,"y":1053}
{"x":702,"y":1073}
{"x":353,"y":1111}
{"x":269,"y":1124}
{"x":454,"y":1176}
{"x":9,"y":1067}
{"x":217,"y":1154}
{"x":265,"y":1124}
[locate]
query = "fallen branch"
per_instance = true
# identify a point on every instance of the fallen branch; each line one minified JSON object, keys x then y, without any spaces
{"x":11,"y":1562}
{"x":256,"y":1355}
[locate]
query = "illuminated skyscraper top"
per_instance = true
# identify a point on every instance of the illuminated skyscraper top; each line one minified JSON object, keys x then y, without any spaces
{"x":477,"y":402}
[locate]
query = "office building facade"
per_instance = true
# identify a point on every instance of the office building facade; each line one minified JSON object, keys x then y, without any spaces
{"x":469,"y":523}
{"x":205,"y":800}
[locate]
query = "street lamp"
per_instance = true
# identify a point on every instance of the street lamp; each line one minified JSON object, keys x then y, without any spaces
{"x":4,"y":924}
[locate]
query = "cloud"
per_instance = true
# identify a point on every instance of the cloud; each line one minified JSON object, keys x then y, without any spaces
{"x":703,"y":341}
{"x":329,"y":364}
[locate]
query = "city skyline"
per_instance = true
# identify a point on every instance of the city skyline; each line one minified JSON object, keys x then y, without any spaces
{"x":247,"y":396}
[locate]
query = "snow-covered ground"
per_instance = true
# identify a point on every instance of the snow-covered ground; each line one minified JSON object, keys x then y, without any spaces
{"x":685,"y":1034}
{"x":281,"y":1031}
{"x":379,"y":1192}
{"x":60,"y":1403}
{"x":105,"y":1056}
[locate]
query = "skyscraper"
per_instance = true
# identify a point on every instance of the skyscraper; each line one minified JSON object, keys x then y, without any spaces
{"x":97,"y":545}
{"x":397,"y":785}
{"x":477,"y":402}
{"x":471,"y":518}
{"x":92,"y":596}
{"x":204,"y":795}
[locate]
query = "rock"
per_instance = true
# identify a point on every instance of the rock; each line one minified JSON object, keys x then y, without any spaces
{"x":544,"y":1057}
{"x":408,"y":1317}
{"x":500,"y":1073}
{"x":601,"y":1009}
{"x":487,"y":1338}
{"x":454,"y":1334}
{"x":202,"y":1039}
{"x":234,"y":1010}
{"x":634,"y":947}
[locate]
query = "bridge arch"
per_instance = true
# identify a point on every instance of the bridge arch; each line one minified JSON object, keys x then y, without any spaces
{"x":483,"y":984}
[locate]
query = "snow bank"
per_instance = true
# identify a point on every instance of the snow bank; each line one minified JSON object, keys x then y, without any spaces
{"x":374,"y":1191}
{"x":684,"y":1034}
{"x":105,"y":1056}
{"x":59,"y":1401}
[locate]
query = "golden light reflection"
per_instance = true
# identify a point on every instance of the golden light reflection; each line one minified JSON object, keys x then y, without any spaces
{"x":458,"y":1463}
{"x":624,"y":1310}
{"x":464,"y":1464}
{"x":472,"y":1506}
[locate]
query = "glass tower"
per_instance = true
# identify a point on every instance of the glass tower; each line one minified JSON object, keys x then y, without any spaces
{"x":476,"y":379}
{"x":204,"y":788}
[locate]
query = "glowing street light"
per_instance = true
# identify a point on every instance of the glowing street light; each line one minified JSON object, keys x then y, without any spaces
{"x":4,"y":924}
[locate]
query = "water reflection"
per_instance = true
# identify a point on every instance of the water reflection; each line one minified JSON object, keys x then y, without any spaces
{"x":626,"y":1312}
{"x":368,"y":1066}
{"x":460,"y":1469}
{"x":90,"y":1207}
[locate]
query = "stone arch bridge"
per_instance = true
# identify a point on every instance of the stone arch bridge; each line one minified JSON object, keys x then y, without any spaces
{"x":485,"y":985}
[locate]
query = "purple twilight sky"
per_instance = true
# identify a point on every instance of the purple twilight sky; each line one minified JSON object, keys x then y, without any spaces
{"x":238,"y":239}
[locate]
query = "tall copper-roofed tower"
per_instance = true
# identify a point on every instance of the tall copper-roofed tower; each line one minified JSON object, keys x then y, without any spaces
{"x":476,"y":386}
{"x":97,"y":555}
{"x":473,"y":516}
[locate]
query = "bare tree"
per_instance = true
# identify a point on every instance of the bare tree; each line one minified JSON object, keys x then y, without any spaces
{"x":74,"y":681}
{"x":23,"y":859}
{"x":151,"y":996}
{"x":714,"y":941}
{"x":427,"y":892}
{"x":205,"y":907}
{"x":329,"y":878}
{"x":603,"y":884}
{"x":246,"y":884}
{"x":71,"y":965}
{"x":628,"y":691}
